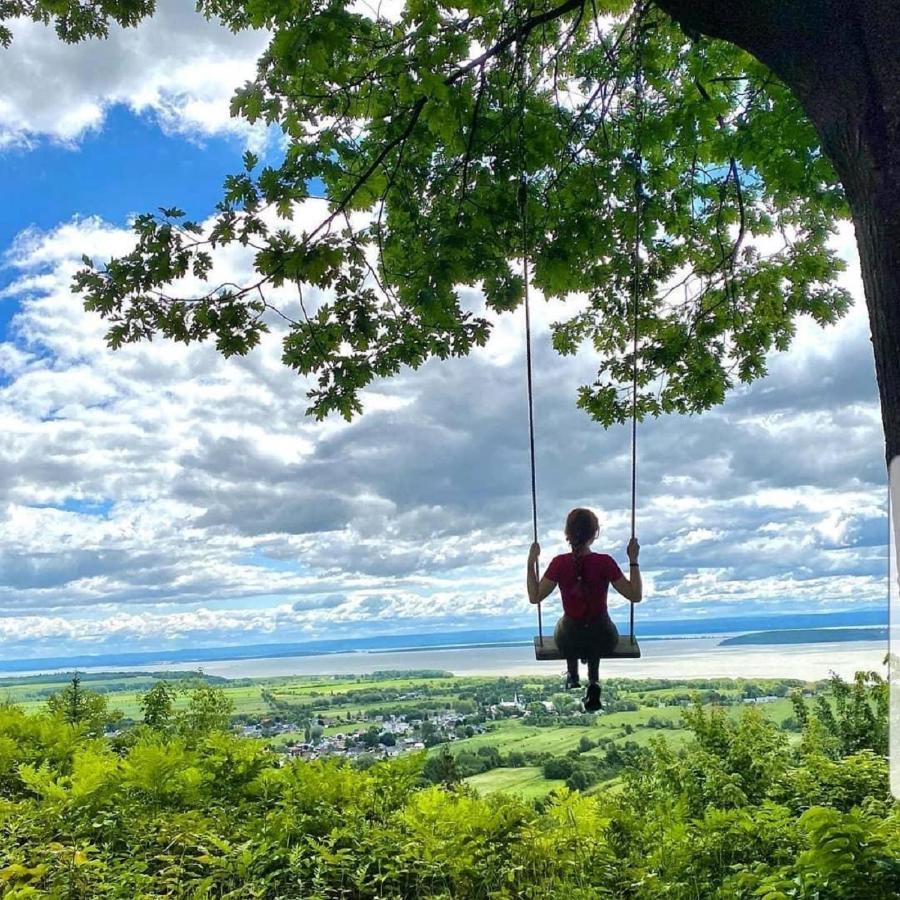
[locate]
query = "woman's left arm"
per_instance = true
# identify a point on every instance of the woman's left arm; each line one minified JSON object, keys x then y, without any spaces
{"x":631,"y":588}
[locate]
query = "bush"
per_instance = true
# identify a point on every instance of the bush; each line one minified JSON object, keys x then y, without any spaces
{"x":659,"y":722}
{"x":578,"y":780}
{"x":738,"y":812}
{"x":558,"y":767}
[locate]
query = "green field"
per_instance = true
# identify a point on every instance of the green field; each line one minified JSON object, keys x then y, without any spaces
{"x":124,"y":691}
{"x":325,"y":693}
{"x":514,"y":734}
{"x":527,"y":782}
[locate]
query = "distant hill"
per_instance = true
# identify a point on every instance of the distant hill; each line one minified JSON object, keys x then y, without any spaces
{"x":111,"y":680}
{"x":647,"y":627}
{"x":807,"y":636}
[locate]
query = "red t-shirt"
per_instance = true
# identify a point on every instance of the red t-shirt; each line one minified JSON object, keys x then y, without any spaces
{"x":588,"y":598}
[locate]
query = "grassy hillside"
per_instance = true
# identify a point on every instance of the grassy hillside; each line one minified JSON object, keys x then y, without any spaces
{"x":527,"y":782}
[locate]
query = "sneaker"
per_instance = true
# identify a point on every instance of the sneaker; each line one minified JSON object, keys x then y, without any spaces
{"x":592,"y":698}
{"x":571,"y":682}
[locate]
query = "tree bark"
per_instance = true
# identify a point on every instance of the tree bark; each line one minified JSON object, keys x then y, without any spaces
{"x":842,"y":60}
{"x":876,"y":219}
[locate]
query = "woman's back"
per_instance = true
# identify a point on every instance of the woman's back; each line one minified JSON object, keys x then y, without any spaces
{"x":585,"y":596}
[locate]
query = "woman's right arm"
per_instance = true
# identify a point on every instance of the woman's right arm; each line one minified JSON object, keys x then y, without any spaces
{"x":631,"y":588}
{"x":537,"y":591}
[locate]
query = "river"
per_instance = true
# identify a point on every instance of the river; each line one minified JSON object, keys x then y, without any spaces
{"x":662,"y":658}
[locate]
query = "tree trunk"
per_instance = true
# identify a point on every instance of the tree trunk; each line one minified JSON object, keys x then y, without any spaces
{"x":876,"y":218}
{"x":842,"y":60}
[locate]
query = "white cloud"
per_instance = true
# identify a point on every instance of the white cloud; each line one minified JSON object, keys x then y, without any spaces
{"x":163,"y":494}
{"x":176,"y":66}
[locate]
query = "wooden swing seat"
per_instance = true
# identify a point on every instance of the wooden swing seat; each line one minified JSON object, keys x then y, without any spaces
{"x":626,"y":648}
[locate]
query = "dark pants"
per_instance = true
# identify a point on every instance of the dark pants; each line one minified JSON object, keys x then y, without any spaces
{"x":586,"y":639}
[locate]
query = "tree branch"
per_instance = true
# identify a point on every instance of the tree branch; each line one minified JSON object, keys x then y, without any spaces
{"x":473,"y":127}
{"x":519,"y":33}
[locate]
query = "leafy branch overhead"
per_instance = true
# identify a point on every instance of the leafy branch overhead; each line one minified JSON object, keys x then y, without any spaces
{"x":419,"y":129}
{"x":73,"y":20}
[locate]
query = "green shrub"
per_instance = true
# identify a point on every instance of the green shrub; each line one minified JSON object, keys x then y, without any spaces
{"x":736,"y":813}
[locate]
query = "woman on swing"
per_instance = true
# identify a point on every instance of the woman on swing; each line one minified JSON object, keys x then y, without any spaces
{"x":585,"y":630}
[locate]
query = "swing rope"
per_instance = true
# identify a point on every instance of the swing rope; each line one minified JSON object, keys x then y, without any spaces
{"x":635,"y":295}
{"x":526,"y":276}
{"x":523,"y":198}
{"x":636,"y":281}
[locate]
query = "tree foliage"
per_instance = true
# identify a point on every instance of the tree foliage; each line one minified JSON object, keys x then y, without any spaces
{"x":158,"y":703}
{"x":73,"y":20}
{"x":209,"y":709}
{"x":445,"y":139}
{"x":82,"y":708}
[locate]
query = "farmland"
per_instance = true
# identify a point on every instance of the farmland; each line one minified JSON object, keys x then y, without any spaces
{"x":502,"y":734}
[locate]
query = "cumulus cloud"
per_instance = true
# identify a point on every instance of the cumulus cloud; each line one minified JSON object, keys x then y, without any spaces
{"x":161,"y":494}
{"x":177,"y":66}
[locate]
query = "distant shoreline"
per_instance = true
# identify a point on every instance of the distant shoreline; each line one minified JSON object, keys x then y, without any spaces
{"x":806,"y":636}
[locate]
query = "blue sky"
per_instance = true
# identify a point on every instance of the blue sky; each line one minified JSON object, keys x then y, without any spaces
{"x":129,"y":165}
{"x":163,"y":497}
